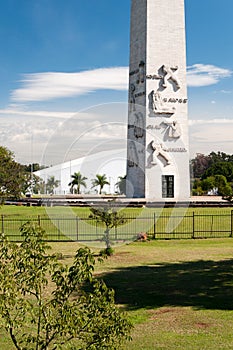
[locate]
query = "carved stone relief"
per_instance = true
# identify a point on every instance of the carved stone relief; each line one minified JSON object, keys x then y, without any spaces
{"x":139,"y":125}
{"x":132,"y":97}
{"x":169,"y":74}
{"x":132,"y":155}
{"x":141,"y":73}
{"x":158,"y":151}
{"x":166,"y":74}
{"x":157,"y":104}
{"x":172,"y":129}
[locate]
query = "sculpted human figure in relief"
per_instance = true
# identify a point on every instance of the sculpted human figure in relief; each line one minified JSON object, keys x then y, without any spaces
{"x":132,"y":155}
{"x":139,"y":125}
{"x":173,"y":129}
{"x":169,"y":74}
{"x":141,"y":73}
{"x":157,"y":149}
{"x":157,"y":105}
{"x":132,"y":97}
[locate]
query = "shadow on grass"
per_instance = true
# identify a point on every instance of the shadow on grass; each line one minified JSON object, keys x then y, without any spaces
{"x":200,"y":284}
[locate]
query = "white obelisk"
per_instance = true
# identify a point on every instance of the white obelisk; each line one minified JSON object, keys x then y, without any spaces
{"x":158,"y":150}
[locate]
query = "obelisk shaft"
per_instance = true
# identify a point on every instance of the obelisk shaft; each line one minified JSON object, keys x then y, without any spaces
{"x":158,"y":157}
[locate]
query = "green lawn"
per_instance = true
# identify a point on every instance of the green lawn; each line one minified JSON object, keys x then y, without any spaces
{"x":178,"y":294}
{"x":25,"y":212}
{"x":72,"y":223}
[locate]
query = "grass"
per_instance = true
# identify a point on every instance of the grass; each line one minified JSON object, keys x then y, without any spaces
{"x":178,"y":294}
{"x":61,"y":223}
{"x":25,"y":212}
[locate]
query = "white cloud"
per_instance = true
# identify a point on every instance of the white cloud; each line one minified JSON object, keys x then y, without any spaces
{"x":226,"y":91}
{"x":51,"y":85}
{"x":35,"y":113}
{"x":209,"y":121}
{"x":210,"y":135}
{"x":204,"y":75}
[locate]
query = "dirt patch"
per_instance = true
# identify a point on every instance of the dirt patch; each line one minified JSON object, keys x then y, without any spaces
{"x":161,"y":312}
{"x":202,"y":325}
{"x":180,"y":320}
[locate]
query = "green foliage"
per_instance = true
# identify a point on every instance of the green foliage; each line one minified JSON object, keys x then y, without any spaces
{"x":213,"y":171}
{"x":32,"y":183}
{"x":77,"y":182}
{"x":220,"y":168}
{"x":111,"y":218}
{"x":100,"y":181}
{"x":34,"y":167}
{"x":11,"y":175}
{"x":106,"y":252}
{"x":218,"y":181}
{"x":213,"y":164}
{"x":121,"y":184}
{"x":208,"y":183}
{"x":51,"y":184}
{"x":200,"y":164}
{"x":79,"y":312}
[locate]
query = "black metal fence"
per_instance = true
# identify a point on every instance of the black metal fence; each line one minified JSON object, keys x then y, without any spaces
{"x":157,"y":226}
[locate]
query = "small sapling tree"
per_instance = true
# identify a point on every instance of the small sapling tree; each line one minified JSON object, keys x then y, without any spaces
{"x":110,"y":218}
{"x":47,"y":305}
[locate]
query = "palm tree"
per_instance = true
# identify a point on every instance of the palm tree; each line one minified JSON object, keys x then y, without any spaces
{"x":78,"y":181}
{"x":52,"y":184}
{"x":100,"y":181}
{"x":121,"y":184}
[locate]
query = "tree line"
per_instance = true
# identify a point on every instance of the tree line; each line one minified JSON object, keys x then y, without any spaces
{"x":17,"y":179}
{"x":213,"y":174}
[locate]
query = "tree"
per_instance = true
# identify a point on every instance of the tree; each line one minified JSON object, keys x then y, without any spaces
{"x":32,"y":183}
{"x":121,"y":184}
{"x":79,"y":312}
{"x":220,"y":157}
{"x":111,"y":218}
{"x":224,"y":189}
{"x":208,"y":183}
{"x":200,"y":164}
{"x":220,"y":168}
{"x":218,"y":163}
{"x":78,"y":181}
{"x":11,"y":175}
{"x":101,"y":181}
{"x":51,"y":184}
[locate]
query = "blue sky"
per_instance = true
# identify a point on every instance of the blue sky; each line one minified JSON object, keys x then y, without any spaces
{"x":62,"y":57}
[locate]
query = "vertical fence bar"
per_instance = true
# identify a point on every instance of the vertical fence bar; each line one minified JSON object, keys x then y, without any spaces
{"x":154,"y":226}
{"x":193,"y":235}
{"x":58,"y":229}
{"x":212,"y":224}
{"x":2,"y":222}
{"x":77,"y":229}
{"x":115,"y":233}
{"x":231,"y":234}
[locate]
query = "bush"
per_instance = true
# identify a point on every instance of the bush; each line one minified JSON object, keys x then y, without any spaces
{"x":78,"y":312}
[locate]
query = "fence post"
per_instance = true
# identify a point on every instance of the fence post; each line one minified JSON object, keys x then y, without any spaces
{"x":77,"y":228}
{"x":154,"y":227}
{"x":2,"y":224}
{"x":115,"y":233}
{"x":231,"y":234}
{"x":193,"y":236}
{"x":58,"y":229}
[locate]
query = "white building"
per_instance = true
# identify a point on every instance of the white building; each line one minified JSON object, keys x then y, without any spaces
{"x":111,"y":163}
